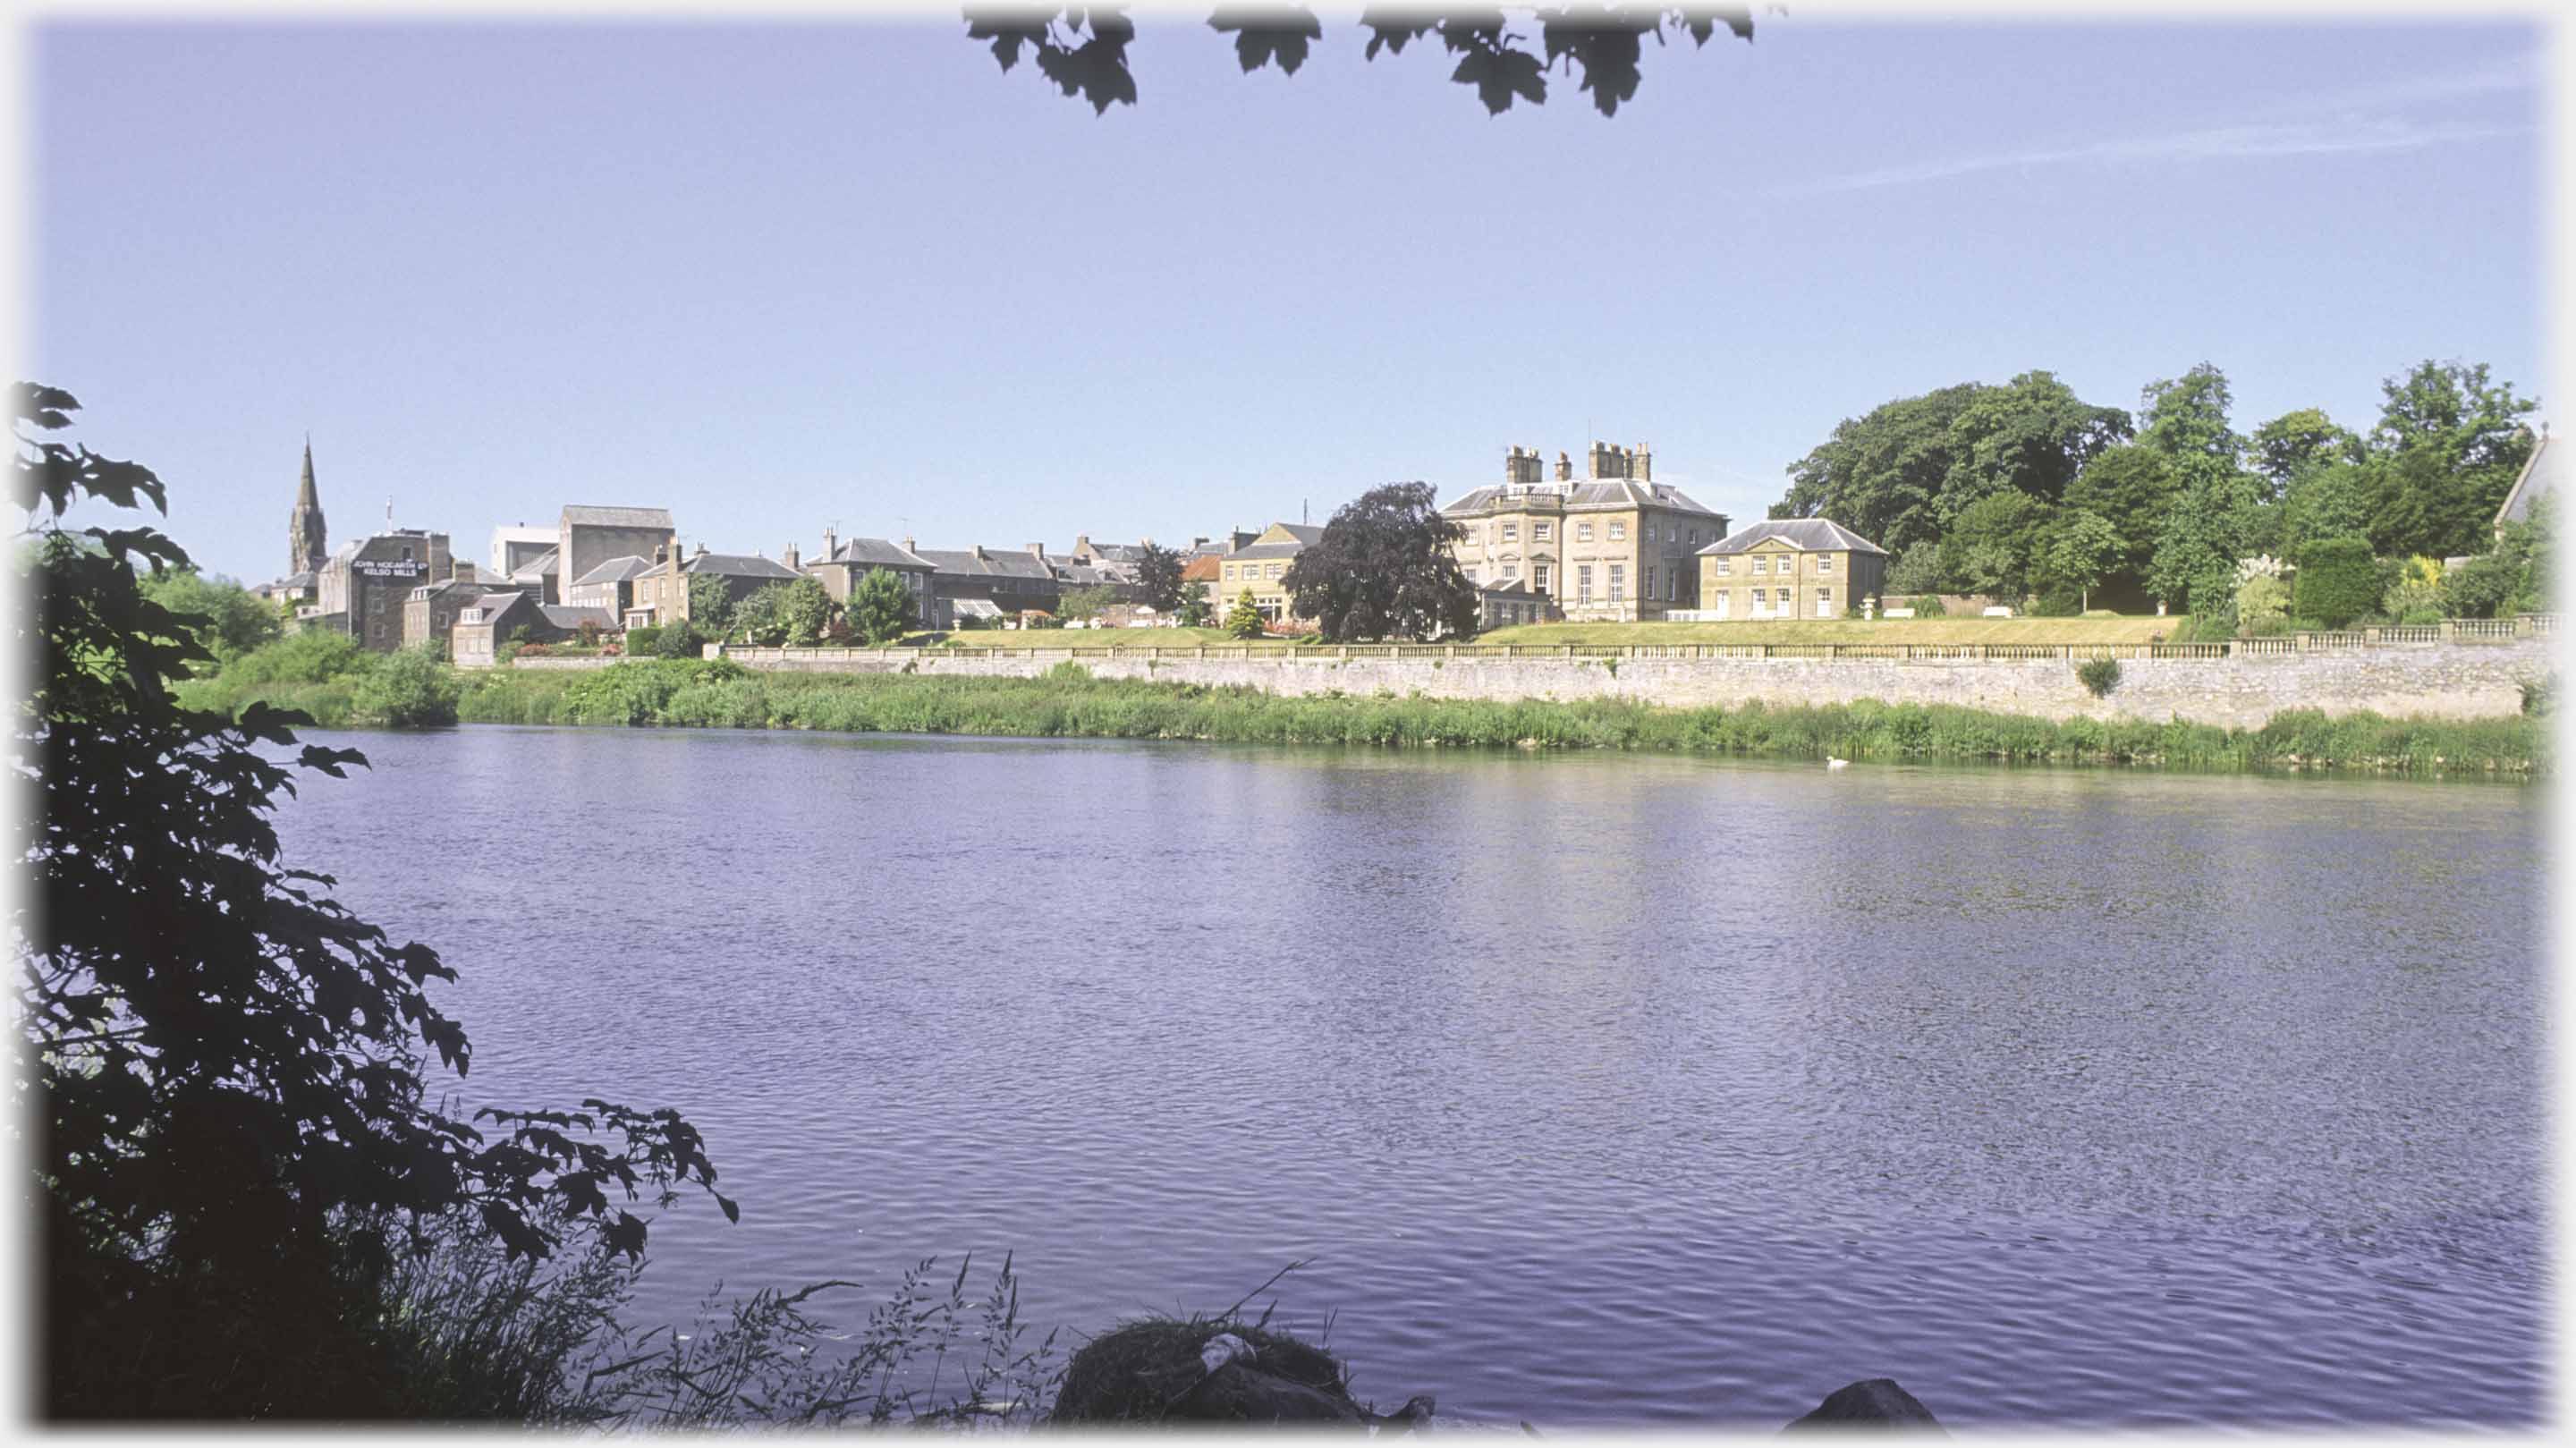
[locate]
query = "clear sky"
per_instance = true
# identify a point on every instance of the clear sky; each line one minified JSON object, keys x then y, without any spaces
{"x":780,"y":276}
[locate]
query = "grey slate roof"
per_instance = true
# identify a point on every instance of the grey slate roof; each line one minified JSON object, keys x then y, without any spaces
{"x":573,"y":616}
{"x":1812,"y":535}
{"x":738,"y":565}
{"x":2539,"y":479}
{"x":996,"y":563}
{"x":1594,"y":493}
{"x":1083,"y":575}
{"x":615,"y":570}
{"x":497,"y":605}
{"x":541,"y":565}
{"x":878,"y":553}
{"x":583,"y":515}
{"x":1306,"y":534}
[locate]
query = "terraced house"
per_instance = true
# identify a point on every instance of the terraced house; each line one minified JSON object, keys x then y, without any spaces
{"x":1789,"y":568}
{"x":1260,"y":565}
{"x":1614,"y":546}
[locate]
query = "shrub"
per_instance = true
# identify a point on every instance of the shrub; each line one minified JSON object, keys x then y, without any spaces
{"x":1244,"y":619}
{"x":2100,"y":676}
{"x":1929,"y":605}
{"x":2058,"y":603}
{"x":2263,"y":606}
{"x":589,"y":632}
{"x":308,"y":657}
{"x":2416,"y":596}
{"x":644,"y":639}
{"x":2539,"y":696}
{"x":2338,"y":581}
{"x":678,"y":639}
{"x":410,"y":689}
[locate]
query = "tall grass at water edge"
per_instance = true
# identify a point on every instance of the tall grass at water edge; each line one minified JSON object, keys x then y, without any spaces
{"x":1069,"y":703}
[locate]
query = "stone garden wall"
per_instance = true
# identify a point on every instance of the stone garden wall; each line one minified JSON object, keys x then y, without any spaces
{"x":2447,"y":680}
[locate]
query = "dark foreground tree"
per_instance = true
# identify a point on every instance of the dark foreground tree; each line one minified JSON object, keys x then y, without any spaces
{"x":222,"y":1070}
{"x":1083,"y":49}
{"x":1383,"y":569}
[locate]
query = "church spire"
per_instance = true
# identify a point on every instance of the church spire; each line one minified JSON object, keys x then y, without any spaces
{"x":306,"y":540}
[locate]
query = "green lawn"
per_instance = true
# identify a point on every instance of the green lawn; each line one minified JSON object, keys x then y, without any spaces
{"x":2132,"y":630}
{"x":2100,"y":629}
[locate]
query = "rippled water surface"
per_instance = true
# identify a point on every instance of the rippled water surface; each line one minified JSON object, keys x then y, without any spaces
{"x":1598,"y":1088}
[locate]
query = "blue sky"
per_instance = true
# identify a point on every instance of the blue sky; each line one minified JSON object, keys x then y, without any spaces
{"x":780,"y":276}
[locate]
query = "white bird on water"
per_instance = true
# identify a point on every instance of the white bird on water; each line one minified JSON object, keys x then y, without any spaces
{"x":1833,"y":763}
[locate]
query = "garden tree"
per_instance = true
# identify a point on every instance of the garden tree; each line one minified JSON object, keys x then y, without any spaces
{"x":784,"y":613}
{"x":2077,"y":549}
{"x":2131,"y":488}
{"x":2476,"y":424}
{"x":2218,"y":512}
{"x":2186,"y":419}
{"x":1881,"y":474}
{"x":1086,"y":602}
{"x":711,"y":604}
{"x":1193,"y":610}
{"x":2338,"y":581}
{"x":2218,"y":519}
{"x":236,"y":620}
{"x":2295,"y":443}
{"x":1383,"y":569}
{"x":805,"y":610}
{"x":1244,"y":619}
{"x":881,"y":609}
{"x":1916,"y":570}
{"x":1083,"y":50}
{"x":1158,"y":577}
{"x":2333,"y":500}
{"x":2032,"y":436}
{"x":225,"y":1070}
{"x":2449,"y":442}
{"x":1989,"y":550}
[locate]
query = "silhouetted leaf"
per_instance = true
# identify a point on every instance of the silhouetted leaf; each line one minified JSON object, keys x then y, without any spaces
{"x":1263,"y":33}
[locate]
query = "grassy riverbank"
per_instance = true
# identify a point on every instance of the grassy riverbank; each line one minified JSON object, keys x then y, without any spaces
{"x":1070,"y":703}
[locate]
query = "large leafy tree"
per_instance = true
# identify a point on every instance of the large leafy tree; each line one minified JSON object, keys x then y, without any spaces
{"x":1383,"y":569}
{"x":1992,"y":548}
{"x":2131,"y":488}
{"x":2296,"y":443}
{"x":2450,"y":441}
{"x":1881,"y":474}
{"x":223,"y":1071}
{"x":2031,"y":436}
{"x":1082,"y":50}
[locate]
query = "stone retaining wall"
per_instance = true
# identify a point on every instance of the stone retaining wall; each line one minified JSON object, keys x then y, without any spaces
{"x":2451,"y":682}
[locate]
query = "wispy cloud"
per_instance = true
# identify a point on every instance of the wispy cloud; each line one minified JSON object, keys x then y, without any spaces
{"x":2316,"y":124}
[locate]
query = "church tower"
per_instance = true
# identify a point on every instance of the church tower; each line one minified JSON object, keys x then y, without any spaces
{"x":305,"y":539}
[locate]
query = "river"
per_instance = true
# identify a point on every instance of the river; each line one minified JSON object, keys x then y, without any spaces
{"x":1598,"y":1089}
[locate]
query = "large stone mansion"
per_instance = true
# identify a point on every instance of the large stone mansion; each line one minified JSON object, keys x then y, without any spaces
{"x":1611,"y":546}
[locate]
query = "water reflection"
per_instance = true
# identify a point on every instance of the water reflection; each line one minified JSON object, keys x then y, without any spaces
{"x":2095,"y":1096}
